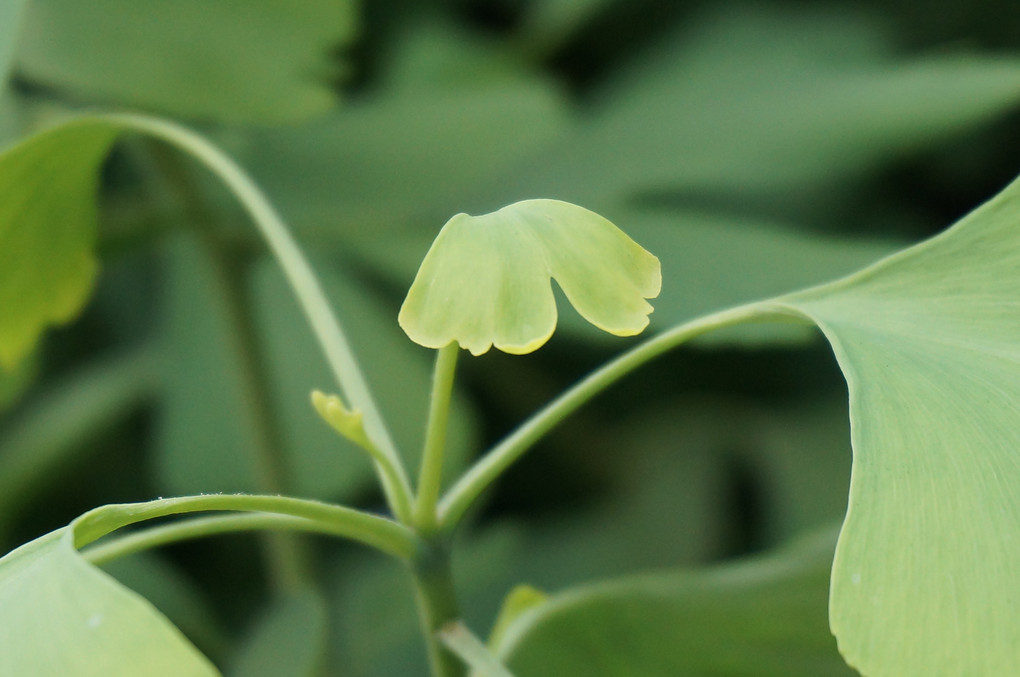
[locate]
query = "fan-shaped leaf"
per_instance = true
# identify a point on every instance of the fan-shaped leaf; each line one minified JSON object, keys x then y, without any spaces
{"x":486,"y":280}
{"x":925,"y":580}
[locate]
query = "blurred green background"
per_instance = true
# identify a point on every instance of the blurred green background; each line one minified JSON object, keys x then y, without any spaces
{"x":755,"y":147}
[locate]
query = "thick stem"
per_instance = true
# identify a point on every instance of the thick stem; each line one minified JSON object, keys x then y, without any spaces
{"x":431,"y":475}
{"x":186,"y":529}
{"x":372,"y":530}
{"x":437,"y":606}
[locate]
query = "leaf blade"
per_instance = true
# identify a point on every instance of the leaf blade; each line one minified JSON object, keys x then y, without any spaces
{"x":52,"y":597}
{"x":928,"y":341}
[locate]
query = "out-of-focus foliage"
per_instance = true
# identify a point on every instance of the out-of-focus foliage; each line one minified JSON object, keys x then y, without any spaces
{"x":753,"y":150}
{"x":763,"y":617}
{"x":269,"y":61}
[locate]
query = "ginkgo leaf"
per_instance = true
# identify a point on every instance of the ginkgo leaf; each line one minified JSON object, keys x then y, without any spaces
{"x":47,"y":230}
{"x":925,"y":579}
{"x":53,"y":599}
{"x":486,"y":279}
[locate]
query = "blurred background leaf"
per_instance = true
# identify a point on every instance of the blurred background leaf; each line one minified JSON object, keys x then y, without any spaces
{"x":10,"y":25}
{"x":266,"y":62}
{"x":759,"y":618}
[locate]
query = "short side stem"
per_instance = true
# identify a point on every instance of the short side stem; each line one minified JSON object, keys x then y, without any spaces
{"x":437,"y":606}
{"x":377,"y":532}
{"x":431,"y":475}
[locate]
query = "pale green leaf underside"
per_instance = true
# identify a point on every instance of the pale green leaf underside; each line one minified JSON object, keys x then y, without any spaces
{"x":758,"y":618}
{"x":53,"y":599}
{"x":47,"y":231}
{"x":486,"y":279}
{"x":926,"y":578}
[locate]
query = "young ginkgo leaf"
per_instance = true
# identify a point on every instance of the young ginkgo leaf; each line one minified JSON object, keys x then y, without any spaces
{"x":348,"y":422}
{"x":926,"y":577}
{"x":486,"y":280}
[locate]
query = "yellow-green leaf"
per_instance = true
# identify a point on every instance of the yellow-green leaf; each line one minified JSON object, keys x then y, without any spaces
{"x":486,"y":279}
{"x":926,"y":579}
{"x":47,"y":231}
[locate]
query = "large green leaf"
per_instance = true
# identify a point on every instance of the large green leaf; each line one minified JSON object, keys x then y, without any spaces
{"x":62,"y":616}
{"x":176,"y":594}
{"x":233,"y":60}
{"x":763,"y":617}
{"x":925,"y":576}
{"x":47,"y":231}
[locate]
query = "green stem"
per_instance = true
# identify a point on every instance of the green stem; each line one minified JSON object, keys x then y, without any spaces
{"x":431,"y":474}
{"x":471,"y":650}
{"x":190,"y":528}
{"x":306,"y":287}
{"x":372,"y":530}
{"x":460,"y":497}
{"x":437,"y":606}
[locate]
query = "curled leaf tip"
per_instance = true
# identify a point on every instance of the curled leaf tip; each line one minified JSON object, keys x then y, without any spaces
{"x":486,"y":281}
{"x":348,"y":422}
